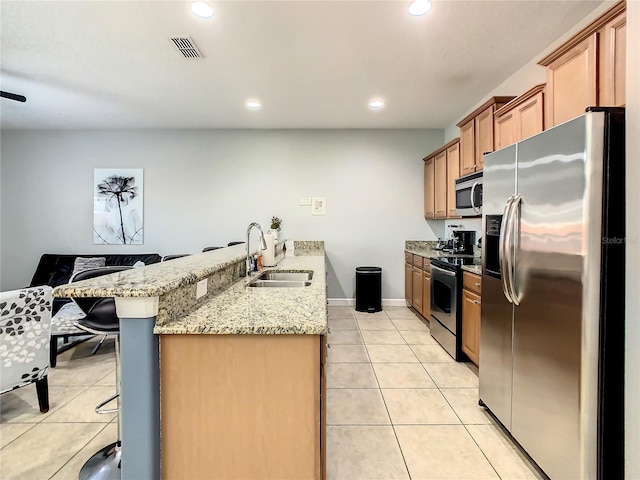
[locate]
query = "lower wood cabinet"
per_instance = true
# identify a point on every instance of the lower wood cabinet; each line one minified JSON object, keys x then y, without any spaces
{"x":471,"y":306}
{"x":417,"y":289}
{"x":426,"y":294}
{"x":242,"y":406}
{"x":408,"y":283}
{"x":417,"y":283}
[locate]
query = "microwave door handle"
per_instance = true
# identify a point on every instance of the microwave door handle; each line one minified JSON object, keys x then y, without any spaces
{"x":502,"y":249}
{"x":473,"y":195}
{"x":513,"y":224}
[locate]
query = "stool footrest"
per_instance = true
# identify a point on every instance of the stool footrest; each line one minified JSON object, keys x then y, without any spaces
{"x":110,"y":410}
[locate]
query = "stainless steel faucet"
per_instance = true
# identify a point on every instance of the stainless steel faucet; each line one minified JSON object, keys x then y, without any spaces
{"x":263,"y":245}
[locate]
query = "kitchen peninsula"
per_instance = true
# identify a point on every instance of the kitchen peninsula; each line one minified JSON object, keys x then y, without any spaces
{"x":229,"y":384}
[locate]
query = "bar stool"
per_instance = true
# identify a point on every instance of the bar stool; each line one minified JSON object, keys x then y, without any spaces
{"x":101,"y":319}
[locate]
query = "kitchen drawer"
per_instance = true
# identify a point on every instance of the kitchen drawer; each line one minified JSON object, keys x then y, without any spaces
{"x":417,"y":261}
{"x":408,"y":257}
{"x":427,"y":266}
{"x":472,"y":282}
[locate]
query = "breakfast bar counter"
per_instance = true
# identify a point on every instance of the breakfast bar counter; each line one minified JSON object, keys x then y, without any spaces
{"x":220,"y":379}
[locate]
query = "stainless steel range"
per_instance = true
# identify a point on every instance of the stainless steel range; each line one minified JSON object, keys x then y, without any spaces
{"x":446,"y":298}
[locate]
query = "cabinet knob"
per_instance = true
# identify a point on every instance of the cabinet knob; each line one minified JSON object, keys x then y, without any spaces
{"x":477,"y":302}
{"x":477,"y":284}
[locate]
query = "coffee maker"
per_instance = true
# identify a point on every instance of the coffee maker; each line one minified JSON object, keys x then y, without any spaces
{"x":463,"y":241}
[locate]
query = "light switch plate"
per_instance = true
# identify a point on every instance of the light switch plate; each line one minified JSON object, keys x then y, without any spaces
{"x":201,"y":288}
{"x":305,"y":201}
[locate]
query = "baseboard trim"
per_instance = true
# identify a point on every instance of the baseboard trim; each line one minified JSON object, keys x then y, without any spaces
{"x":351,"y":302}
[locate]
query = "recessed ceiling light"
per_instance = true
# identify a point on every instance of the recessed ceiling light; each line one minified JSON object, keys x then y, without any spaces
{"x":419,"y":7}
{"x":254,"y":105}
{"x":202,"y":9}
{"x":376,"y":104}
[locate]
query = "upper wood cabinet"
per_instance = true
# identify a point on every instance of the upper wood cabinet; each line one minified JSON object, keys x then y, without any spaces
{"x":521,"y":118}
{"x":477,"y":134}
{"x":453,"y":172}
{"x":613,"y":54}
{"x":441,"y":168}
{"x":440,"y":161}
{"x":589,"y":69}
{"x":429,"y":188}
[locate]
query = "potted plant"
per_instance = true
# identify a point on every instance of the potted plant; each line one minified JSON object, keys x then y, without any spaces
{"x":275,"y":225}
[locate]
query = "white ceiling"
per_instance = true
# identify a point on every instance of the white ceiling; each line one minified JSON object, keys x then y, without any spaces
{"x":313,"y":64}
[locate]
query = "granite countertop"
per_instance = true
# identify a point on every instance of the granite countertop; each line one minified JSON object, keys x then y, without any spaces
{"x":246,"y":310}
{"x":477,"y":269}
{"x":155,"y":279}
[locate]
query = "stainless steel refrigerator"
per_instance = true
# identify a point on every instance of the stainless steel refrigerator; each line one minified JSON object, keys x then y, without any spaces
{"x":552,"y":323}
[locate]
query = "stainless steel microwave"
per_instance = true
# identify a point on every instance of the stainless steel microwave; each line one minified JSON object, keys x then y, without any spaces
{"x":469,"y":195}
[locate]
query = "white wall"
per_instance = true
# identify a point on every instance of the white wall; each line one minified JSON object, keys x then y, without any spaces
{"x":203,"y":188}
{"x":632,"y":400}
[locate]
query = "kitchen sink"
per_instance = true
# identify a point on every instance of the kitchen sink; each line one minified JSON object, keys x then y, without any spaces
{"x":283,"y":279}
{"x":276,"y":275}
{"x":279,"y":283}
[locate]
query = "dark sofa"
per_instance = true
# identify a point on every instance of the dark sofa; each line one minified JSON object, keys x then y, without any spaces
{"x":56,"y":269}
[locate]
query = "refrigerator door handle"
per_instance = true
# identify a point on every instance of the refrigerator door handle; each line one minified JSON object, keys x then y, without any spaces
{"x":511,"y":245}
{"x":502,"y":249}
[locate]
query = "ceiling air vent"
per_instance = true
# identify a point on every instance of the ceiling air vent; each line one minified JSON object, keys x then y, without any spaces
{"x":186,"y":47}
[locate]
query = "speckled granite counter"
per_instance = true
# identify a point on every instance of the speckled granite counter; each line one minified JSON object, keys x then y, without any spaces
{"x":229,"y":307}
{"x":477,"y":269}
{"x":427,"y":249}
{"x":157,"y":279}
{"x":241,"y":309}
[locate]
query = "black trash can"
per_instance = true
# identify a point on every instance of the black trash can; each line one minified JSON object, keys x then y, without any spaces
{"x":369,"y":289}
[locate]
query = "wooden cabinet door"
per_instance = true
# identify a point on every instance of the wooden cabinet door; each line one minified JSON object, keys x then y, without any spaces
{"x":408,"y":283}
{"x":440,"y":162}
{"x":417,"y":289}
{"x":612,"y":56}
{"x":453,"y":172}
{"x":467,"y":148}
{"x":429,"y":189}
{"x":471,"y":325}
{"x":426,"y":295}
{"x":571,"y":82}
{"x":484,"y":135}
{"x":506,"y":130}
{"x":530,"y":117}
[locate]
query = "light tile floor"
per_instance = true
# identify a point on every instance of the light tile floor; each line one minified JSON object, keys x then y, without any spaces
{"x":398,"y":407}
{"x":56,"y":444}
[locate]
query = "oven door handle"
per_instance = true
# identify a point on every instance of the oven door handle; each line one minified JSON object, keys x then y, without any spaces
{"x":473,"y":190}
{"x":441,"y":270}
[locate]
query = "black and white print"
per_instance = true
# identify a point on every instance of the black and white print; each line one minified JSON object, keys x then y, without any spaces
{"x":117,"y":206}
